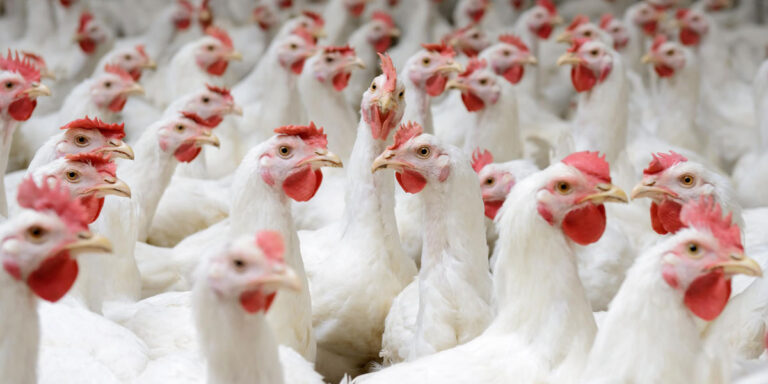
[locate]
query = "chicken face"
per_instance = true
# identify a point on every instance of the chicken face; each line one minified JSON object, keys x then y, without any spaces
{"x":132,"y":60}
{"x":469,"y":40}
{"x":616,"y":29}
{"x":212,"y":104}
{"x":383,"y":104}
{"x":430,"y":68}
{"x":667,"y":57}
{"x":381,"y":30}
{"x":335,"y":64}
{"x":40,"y":243}
{"x":182,"y":14}
{"x":693,"y":26}
{"x":496,"y":180}
{"x":573,"y":197}
{"x":592,"y":62}
{"x":417,"y":158}
{"x":645,"y":17}
{"x":670,"y":181}
{"x":111,"y":89}
{"x":542,"y":18}
{"x":94,"y":135}
{"x":293,"y":160}
{"x":250,"y":272}
{"x":90,"y":33}
{"x":700,"y":260}
{"x":214,"y":51}
{"x":509,"y":57}
{"x":184,"y":136}
{"x":264,"y":17}
{"x":295,"y":49}
{"x":478,"y":85}
{"x":580,"y":28}
{"x":474,"y":9}
{"x":355,"y":7}
{"x":89,"y":177}
{"x":311,"y":22}
{"x":19,"y":87}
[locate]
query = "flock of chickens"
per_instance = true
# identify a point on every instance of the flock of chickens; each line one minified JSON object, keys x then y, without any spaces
{"x":203,"y":191}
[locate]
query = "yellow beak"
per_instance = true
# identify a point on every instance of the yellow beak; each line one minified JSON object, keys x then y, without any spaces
{"x":208,"y":139}
{"x":740,"y":264}
{"x":134,"y":89}
{"x":122,"y":150}
{"x":649,"y":59}
{"x":151,"y":64}
{"x":607,"y":193}
{"x":564,"y":37}
{"x":234,"y":55}
{"x":88,"y":242}
{"x":323,"y":158}
{"x":456,"y":84}
{"x":111,"y":186}
{"x":386,"y":160}
{"x":649,"y":191}
{"x":37,"y":89}
{"x":568,"y":58}
{"x":452,"y":67}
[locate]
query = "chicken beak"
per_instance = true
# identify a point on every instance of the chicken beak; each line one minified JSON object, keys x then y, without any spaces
{"x":112,"y":186}
{"x":208,"y":139}
{"x":121,"y":149}
{"x":606,"y":193}
{"x":557,"y":20}
{"x":284,"y":278}
{"x":648,"y":58}
{"x":234,"y":55}
{"x":388,"y":160}
{"x":568,"y":58}
{"x":356,"y":62}
{"x":323,"y":158}
{"x":37,"y":89}
{"x":150,"y":64}
{"x":236,"y":109}
{"x":134,"y":89}
{"x":456,"y":84}
{"x":88,"y":242}
{"x":647,"y":190}
{"x":451,"y":67}
{"x":529,"y":60}
{"x":394,"y":32}
{"x":740,"y":265}
{"x":564,"y":37}
{"x":387,"y":102}
{"x":319,"y":33}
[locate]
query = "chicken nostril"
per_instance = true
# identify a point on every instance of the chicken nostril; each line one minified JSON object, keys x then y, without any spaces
{"x":649,"y":183}
{"x":85,"y":235}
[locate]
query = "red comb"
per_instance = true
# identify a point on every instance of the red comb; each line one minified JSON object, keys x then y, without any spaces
{"x":658,"y":41}
{"x":578,"y":20}
{"x":577,"y":43}
{"x":389,"y":71}
{"x":591,"y":164}
{"x":384,"y":17}
{"x":56,"y":197}
{"x":209,"y":123}
{"x":309,"y":133}
{"x":101,"y":162}
{"x":108,"y":130}
{"x":271,"y":243}
{"x":117,"y":70}
{"x":220,"y":35}
{"x":224,"y":92}
{"x":406,"y":132}
{"x":442,"y":48}
{"x":682,"y":13}
{"x":24,"y":67}
{"x":705,"y":214}
{"x":85,"y":18}
{"x":142,"y":51}
{"x":548,"y":5}
{"x":605,"y":20}
{"x":344,"y":50}
{"x":316,"y":17}
{"x":662,"y":161}
{"x":514,"y":40}
{"x":481,"y":159}
{"x":304,"y":34}
{"x":474,"y":65}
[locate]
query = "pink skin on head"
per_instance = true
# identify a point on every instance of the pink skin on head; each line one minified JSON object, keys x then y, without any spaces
{"x":219,"y":66}
{"x":692,"y":26}
{"x":22,"y":106}
{"x":384,"y":40}
{"x":117,"y":104}
{"x":545,"y":28}
{"x":616,"y":30}
{"x":271,"y":243}
{"x":435,"y":83}
{"x":382,"y":123}
{"x":479,"y":161}
{"x":478,"y":87}
{"x":514,"y":72}
{"x":87,"y":44}
{"x":411,"y":181}
{"x":583,"y":76}
{"x":303,"y":183}
{"x":341,"y":77}
{"x":665,"y":215}
{"x":104,"y":165}
{"x":662,"y":69}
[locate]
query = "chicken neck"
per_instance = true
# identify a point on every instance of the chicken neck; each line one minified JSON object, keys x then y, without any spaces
{"x":19,"y":332}
{"x":497,"y":128}
{"x":417,"y":103}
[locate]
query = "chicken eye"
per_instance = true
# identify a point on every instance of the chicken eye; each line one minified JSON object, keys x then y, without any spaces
{"x":373,"y":86}
{"x":8,"y":85}
{"x":489,"y":181}
{"x":294,"y":46}
{"x":401,"y":94}
{"x":475,"y":36}
{"x":81,"y":141}
{"x":206,"y":99}
{"x":483,"y":81}
{"x":210,"y":48}
{"x":329,"y":59}
{"x":671,"y":52}
{"x":687,"y":180}
{"x":616,"y":30}
{"x":108,"y":84}
{"x":72,"y":176}
{"x":594,"y":52}
{"x":284,"y":151}
{"x":588,"y":33}
{"x":506,"y":53}
{"x":426,"y":61}
{"x":563,"y":188}
{"x":180,"y":128}
{"x":127,"y":57}
{"x":423,"y":152}
{"x":693,"y":249}
{"x":35,"y":232}
{"x":239,"y":264}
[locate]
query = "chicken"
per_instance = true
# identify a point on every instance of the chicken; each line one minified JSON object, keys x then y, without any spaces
{"x":375,"y":36}
{"x":747,"y":173}
{"x":234,"y":291}
{"x":343,"y":16}
{"x":681,"y":278}
{"x":617,"y":30}
{"x":450,"y":300}
{"x":535,"y":280}
{"x":356,"y":266}
{"x":39,"y":257}
{"x":18,"y":99}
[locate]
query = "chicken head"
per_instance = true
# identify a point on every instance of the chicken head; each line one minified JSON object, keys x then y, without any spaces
{"x":19,"y":87}
{"x":591,"y":61}
{"x":542,"y":18}
{"x":616,"y":29}
{"x":93,"y":135}
{"x":383,"y":102}
{"x":90,"y":33}
{"x":132,"y":59}
{"x":478,"y":85}
{"x":294,"y":50}
{"x":497,"y":179}
{"x":111,"y":89}
{"x":508,"y":58}
{"x":334,"y":65}
{"x":667,"y":57}
{"x":431,"y":67}
{"x":693,"y":26}
{"x":381,"y":31}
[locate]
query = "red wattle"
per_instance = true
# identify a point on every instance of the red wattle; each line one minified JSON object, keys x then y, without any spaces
{"x":472,"y":101}
{"x":382,"y":44}
{"x":21,"y":110}
{"x":707,"y":295}
{"x":303,"y":184}
{"x":255,"y":301}
{"x":664,"y":70}
{"x":341,"y":80}
{"x":411,"y":181}
{"x":87,"y":45}
{"x":187,"y":152}
{"x":665,"y":218}
{"x":117,"y":103}
{"x":93,"y":207}
{"x":297,"y":67}
{"x":54,"y":277}
{"x":357,"y":9}
{"x":650,"y":28}
{"x":218,"y":67}
{"x":544,"y":31}
{"x":583,"y":78}
{"x":477,"y":15}
{"x":135,"y":74}
{"x":492,"y":208}
{"x":689,"y":37}
{"x":182,"y":24}
{"x":585,"y":225}
{"x":514,"y":73}
{"x":435,"y":84}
